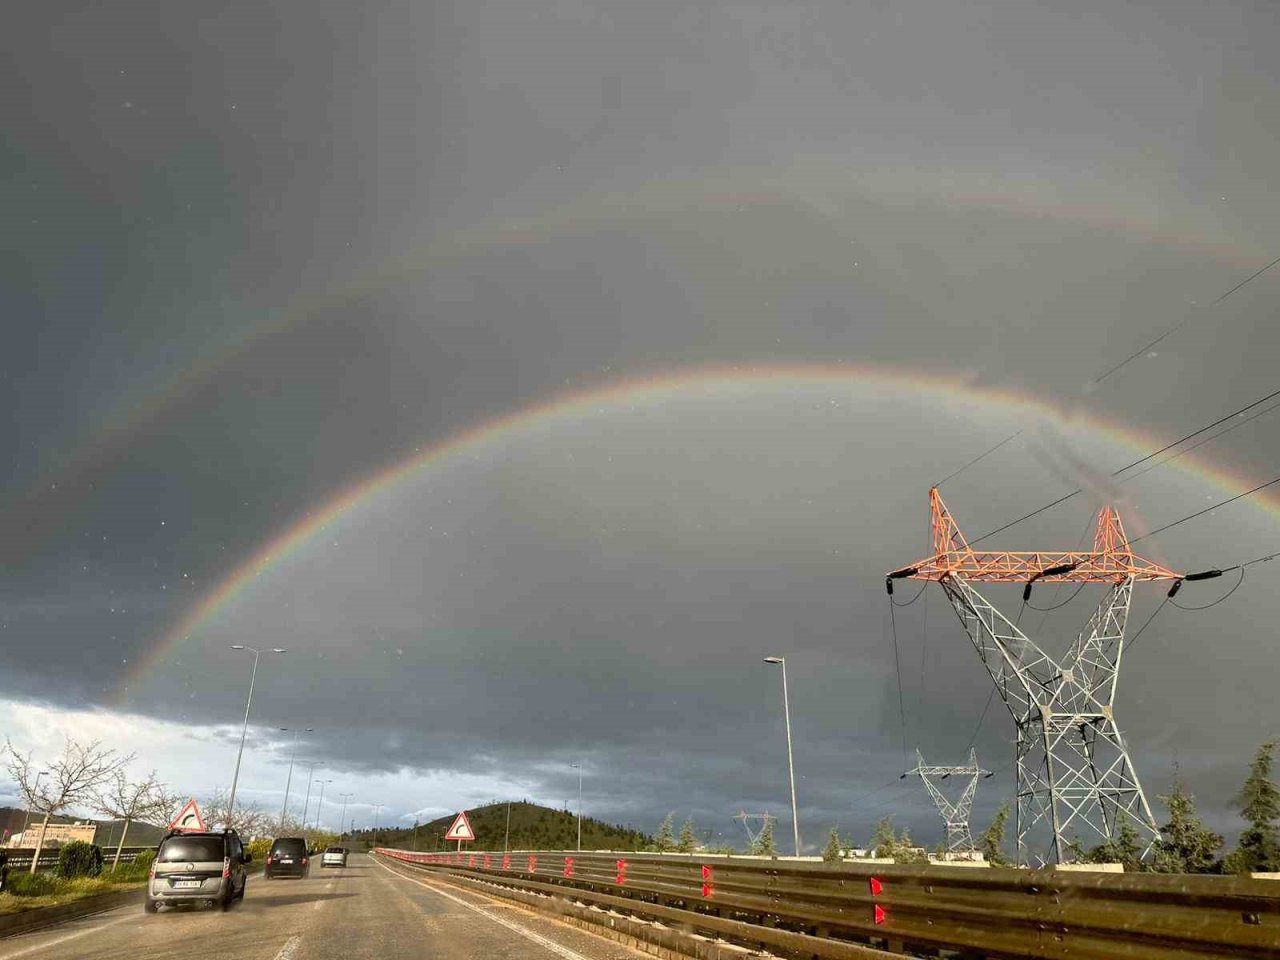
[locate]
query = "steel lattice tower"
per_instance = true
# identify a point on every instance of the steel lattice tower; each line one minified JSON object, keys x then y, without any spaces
{"x":1074,"y":772}
{"x":753,"y":836}
{"x":955,"y":813}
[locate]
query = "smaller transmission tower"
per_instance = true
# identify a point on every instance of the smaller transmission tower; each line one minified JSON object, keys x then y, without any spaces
{"x":955,"y":813}
{"x":753,"y":835}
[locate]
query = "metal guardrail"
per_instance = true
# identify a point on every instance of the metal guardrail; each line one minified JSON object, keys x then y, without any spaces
{"x":20,"y":858}
{"x":1002,"y":914}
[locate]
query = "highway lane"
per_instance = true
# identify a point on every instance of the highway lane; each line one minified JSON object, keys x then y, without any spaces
{"x":367,"y":911}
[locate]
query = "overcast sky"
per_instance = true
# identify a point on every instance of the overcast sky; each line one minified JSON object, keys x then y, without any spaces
{"x":795,"y":262}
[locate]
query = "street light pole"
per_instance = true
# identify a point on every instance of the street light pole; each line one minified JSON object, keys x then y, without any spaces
{"x":284,"y":809}
{"x":579,"y":768}
{"x":306,"y":807}
{"x":791,"y":767}
{"x":343,"y":819}
{"x":244,"y":732}
{"x":377,"y":809}
{"x":320,"y":804}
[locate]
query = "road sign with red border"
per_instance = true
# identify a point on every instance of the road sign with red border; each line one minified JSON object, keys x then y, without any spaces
{"x":461,"y":829}
{"x":189,"y":819}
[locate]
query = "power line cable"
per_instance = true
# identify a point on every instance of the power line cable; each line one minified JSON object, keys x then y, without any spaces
{"x":974,"y":738}
{"x":1201,"y":513}
{"x":924,"y":649}
{"x":980,"y":456}
{"x":897,"y":666}
{"x":1180,"y":324}
{"x":1206,"y":606}
{"x":1154,"y":612}
{"x":1218,"y":422}
{"x":919,"y":593}
{"x":1123,"y":363}
{"x":1128,"y":466}
{"x":1054,"y":606}
{"x":1250,"y":563}
{"x":1201,"y":443}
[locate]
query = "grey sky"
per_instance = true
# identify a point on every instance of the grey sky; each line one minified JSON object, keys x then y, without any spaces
{"x":256,"y":253}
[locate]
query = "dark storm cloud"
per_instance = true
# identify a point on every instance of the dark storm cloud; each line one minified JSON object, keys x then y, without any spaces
{"x":258,"y":252}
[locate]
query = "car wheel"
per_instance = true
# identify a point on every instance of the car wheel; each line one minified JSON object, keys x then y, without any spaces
{"x":150,"y":906}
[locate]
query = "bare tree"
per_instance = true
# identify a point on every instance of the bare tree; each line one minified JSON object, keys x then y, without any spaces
{"x":167,"y":806}
{"x":123,"y":799}
{"x":248,"y":819}
{"x":67,"y":781}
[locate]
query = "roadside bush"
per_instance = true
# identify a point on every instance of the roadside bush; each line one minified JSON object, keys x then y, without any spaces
{"x":30,"y":884}
{"x":79,"y":859}
{"x":258,"y":849}
{"x":137,"y":870}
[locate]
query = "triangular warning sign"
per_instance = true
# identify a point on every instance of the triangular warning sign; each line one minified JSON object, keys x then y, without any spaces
{"x":189,"y":820}
{"x":461,"y":829}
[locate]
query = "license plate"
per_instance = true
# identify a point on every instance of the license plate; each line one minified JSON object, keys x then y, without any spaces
{"x":186,"y":884}
{"x":285,"y":860}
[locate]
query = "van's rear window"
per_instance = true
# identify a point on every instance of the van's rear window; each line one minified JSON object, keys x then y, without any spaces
{"x":194,"y":849}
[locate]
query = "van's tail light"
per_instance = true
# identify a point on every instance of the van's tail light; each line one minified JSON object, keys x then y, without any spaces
{"x":152,"y":872}
{"x":304,"y":861}
{"x":226,"y":867}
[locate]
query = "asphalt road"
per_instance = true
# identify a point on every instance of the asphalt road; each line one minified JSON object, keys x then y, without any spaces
{"x":367,"y":911}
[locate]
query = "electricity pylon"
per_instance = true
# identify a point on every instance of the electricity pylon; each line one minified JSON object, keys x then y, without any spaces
{"x":1074,"y":770}
{"x":753,"y":836}
{"x":955,"y":813}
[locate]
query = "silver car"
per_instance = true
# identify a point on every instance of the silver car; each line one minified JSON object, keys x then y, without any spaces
{"x":193,"y":868}
{"x":334,"y":857}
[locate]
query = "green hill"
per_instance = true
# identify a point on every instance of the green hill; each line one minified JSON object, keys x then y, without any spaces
{"x":533,"y":827}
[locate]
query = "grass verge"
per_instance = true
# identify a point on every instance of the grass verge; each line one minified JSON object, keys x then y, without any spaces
{"x":25,"y":891}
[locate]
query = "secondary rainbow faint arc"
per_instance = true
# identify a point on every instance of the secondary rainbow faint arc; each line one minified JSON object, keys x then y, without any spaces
{"x":653,"y":201}
{"x":288,"y":542}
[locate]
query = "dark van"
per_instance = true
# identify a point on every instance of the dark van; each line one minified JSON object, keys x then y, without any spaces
{"x":288,"y":858}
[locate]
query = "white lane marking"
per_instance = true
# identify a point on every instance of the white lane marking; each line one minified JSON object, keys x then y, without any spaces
{"x":525,"y":932}
{"x":63,"y":939}
{"x":290,"y":947}
{"x":328,"y":888}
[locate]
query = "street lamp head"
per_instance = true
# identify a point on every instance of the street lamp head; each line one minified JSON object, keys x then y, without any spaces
{"x":279,"y":650}
{"x":237,"y":646}
{"x":774,"y":659}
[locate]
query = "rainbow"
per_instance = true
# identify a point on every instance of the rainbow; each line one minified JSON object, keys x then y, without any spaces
{"x":817,"y":183}
{"x":574,"y":405}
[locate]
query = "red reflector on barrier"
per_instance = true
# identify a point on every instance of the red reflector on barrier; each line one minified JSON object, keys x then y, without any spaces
{"x":506,"y":861}
{"x":568,"y":867}
{"x":488,"y":861}
{"x":471,"y":860}
{"x":876,"y":886}
{"x":707,"y":891}
{"x":533,"y":864}
{"x":622,"y":871}
{"x":878,"y":914}
{"x":706,"y":872}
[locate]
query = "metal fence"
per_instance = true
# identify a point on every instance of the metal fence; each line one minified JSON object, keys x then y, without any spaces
{"x":20,"y":858}
{"x":822,"y":910}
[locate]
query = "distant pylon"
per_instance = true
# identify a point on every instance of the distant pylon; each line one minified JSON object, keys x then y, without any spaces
{"x":747,"y":818}
{"x":955,"y":813}
{"x":1074,"y":771}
